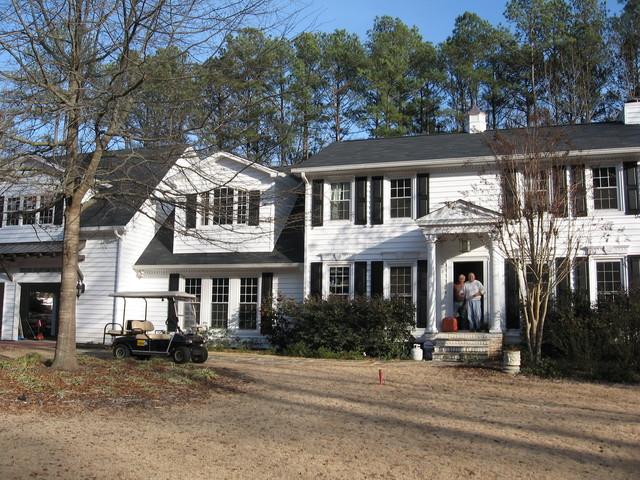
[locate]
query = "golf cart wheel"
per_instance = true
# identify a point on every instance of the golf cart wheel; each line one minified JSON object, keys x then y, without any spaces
{"x":121,"y":352}
{"x":181,"y":355}
{"x":199,"y":355}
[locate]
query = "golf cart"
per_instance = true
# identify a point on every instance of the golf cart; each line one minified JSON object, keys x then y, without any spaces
{"x":140,"y":339}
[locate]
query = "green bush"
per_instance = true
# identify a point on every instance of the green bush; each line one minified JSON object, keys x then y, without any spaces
{"x":337,"y":328}
{"x":601,"y":342}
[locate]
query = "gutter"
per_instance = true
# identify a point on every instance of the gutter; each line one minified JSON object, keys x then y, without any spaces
{"x":218,"y":266}
{"x":119,"y":233}
{"x":305,"y":281}
{"x":451,"y":162}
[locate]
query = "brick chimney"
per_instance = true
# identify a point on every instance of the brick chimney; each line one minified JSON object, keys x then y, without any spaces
{"x":475,"y":121}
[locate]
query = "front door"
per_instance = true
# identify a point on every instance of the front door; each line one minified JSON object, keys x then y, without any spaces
{"x":465,"y":268}
{"x":39,"y":310}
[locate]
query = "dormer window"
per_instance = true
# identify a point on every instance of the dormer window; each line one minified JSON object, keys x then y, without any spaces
{"x":222,"y":206}
{"x":46,"y":212}
{"x":243,"y":207}
{"x":340,"y":201}
{"x":13,"y":211}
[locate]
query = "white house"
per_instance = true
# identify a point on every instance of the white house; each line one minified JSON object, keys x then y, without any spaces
{"x":391,"y":217}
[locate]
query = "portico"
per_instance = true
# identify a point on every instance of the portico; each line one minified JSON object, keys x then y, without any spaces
{"x":460,"y":233}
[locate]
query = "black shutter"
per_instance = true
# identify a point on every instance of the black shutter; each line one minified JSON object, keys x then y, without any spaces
{"x":1,"y":305}
{"x":559,"y":202}
{"x":1,"y":211}
{"x":582,"y":278}
{"x":266,"y":298}
{"x":631,"y":188}
{"x":421,"y":303}
{"x":58,"y":212}
{"x":633,"y":264}
{"x":315,"y":289}
{"x":423,"y":195}
{"x":563,"y":287}
{"x":376,"y":201}
{"x":191,"y":204}
{"x":578,"y":191}
{"x":509,"y":194}
{"x":172,"y":318}
{"x":317,"y":202}
{"x":511,"y":288}
{"x":377,"y":286}
{"x":360,"y":279}
{"x":254,"y":207}
{"x":361,"y":201}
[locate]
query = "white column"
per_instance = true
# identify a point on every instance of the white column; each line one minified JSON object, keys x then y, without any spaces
{"x":497,"y":289}
{"x":432,"y":269}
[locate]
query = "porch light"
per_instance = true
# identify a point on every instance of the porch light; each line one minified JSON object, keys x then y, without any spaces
{"x":80,"y":287}
{"x":464,"y":245}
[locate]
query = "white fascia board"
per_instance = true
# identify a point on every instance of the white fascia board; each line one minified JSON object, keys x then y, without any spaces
{"x":451,"y":162}
{"x":269,"y":171}
{"x":218,"y":266}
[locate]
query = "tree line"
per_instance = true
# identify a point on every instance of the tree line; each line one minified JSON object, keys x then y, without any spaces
{"x":279,"y":100}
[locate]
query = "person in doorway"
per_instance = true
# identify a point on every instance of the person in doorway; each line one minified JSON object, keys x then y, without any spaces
{"x":459,"y":307}
{"x":473,"y":292}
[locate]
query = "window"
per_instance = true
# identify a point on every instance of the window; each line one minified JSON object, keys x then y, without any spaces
{"x":248,"y":303}
{"x":219,"y":302}
{"x":243,"y":207}
{"x":206,"y":209}
{"x":194,"y":287}
{"x":13,"y":209}
{"x":223,"y":206}
{"x":339,"y":281}
{"x":609,"y":278}
{"x":340,"y":201}
{"x":400,"y":284}
{"x":401,"y":198}
{"x":537,"y":194}
{"x":29,"y":205}
{"x":605,"y":188}
{"x":46,"y":212}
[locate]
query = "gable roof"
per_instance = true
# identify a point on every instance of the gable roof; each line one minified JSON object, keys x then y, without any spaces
{"x":398,"y":150}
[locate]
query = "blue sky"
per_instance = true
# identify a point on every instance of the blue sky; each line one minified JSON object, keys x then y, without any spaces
{"x":434,"y":18}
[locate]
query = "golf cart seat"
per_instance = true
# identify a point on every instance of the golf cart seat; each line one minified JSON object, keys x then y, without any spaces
{"x":148,"y":331}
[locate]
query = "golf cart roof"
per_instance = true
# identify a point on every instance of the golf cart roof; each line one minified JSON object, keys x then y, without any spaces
{"x":175,"y":295}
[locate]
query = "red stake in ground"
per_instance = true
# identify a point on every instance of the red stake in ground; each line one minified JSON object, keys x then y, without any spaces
{"x":380,"y":376}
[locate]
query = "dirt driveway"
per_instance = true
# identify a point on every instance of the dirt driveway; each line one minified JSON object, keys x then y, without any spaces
{"x":303,"y":418}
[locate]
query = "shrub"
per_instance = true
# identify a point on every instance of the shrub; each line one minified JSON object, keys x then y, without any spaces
{"x":601,"y":342}
{"x":337,"y":328}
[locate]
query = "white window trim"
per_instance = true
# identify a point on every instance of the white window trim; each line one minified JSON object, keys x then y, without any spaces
{"x":327,"y":200}
{"x":386,"y":197}
{"x":326,"y":277}
{"x":591,"y":204}
{"x":593,"y":274}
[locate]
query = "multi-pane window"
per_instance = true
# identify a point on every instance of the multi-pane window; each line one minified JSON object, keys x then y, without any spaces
{"x":46,"y":211}
{"x":400,"y":284}
{"x":248,"y":312}
{"x":609,"y":278}
{"x":194,"y":287}
{"x":219,"y":302}
{"x":340,"y":201}
{"x":243,"y":207}
{"x":400,"y":198}
{"x":12,"y":209}
{"x":537,"y":194}
{"x":205,"y":213}
{"x":339,"y":281}
{"x":605,"y":188}
{"x":223,"y":206}
{"x":29,"y":205}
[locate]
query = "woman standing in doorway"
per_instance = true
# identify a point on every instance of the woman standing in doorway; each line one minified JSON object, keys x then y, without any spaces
{"x":459,"y":307}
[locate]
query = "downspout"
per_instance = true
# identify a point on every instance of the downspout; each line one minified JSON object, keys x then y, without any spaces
{"x":305,"y":280}
{"x":119,"y":233}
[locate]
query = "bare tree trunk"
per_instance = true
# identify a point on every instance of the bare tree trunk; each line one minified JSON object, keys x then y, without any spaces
{"x":65,"y":356}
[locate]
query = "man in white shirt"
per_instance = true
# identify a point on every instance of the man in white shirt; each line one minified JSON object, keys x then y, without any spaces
{"x":473,"y":292}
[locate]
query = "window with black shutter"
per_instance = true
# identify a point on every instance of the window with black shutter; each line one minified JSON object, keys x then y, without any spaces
{"x":578,"y":191}
{"x":421,"y":303}
{"x":376,"y":200}
{"x":581,"y":277}
{"x":172,"y":317}
{"x":559,"y":192}
{"x":509,"y":193}
{"x":254,"y":207}
{"x":423,"y":195}
{"x":266,"y":300}
{"x":632,"y":206}
{"x":511,"y":288}
{"x":633,"y":270}
{"x":360,"y":279}
{"x":317,"y":201}
{"x":563,"y":286}
{"x":361,"y":201}
{"x":315,"y":289}
{"x":1,"y":211}
{"x":58,"y":212}
{"x":190,"y":217}
{"x":377,"y":279}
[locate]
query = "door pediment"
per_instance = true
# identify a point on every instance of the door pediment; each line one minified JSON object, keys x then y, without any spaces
{"x":459,"y":216}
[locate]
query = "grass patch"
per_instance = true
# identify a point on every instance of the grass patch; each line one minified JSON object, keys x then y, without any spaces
{"x":28,"y":380}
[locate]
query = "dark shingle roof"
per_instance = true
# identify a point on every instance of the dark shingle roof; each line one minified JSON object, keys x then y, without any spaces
{"x":289,"y":247}
{"x":30,"y":248}
{"x":131,"y":175}
{"x":464,"y":145}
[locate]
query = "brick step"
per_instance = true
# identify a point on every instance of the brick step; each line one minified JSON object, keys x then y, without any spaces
{"x":470,"y":343}
{"x":459,"y":357}
{"x":464,"y":349}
